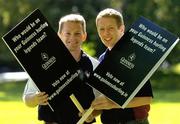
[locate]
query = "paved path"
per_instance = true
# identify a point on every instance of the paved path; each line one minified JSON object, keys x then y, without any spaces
{"x":13,"y":76}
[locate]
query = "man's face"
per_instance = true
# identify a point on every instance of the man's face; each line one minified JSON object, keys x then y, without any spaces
{"x":109,"y":32}
{"x":72,"y":35}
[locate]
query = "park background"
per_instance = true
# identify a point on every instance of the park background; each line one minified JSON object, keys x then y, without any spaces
{"x":165,"y":108}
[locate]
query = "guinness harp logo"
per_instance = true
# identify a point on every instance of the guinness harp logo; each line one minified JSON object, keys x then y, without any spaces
{"x":128,"y":61}
{"x":44,"y":56}
{"x":132,"y":57}
{"x":48,"y":62}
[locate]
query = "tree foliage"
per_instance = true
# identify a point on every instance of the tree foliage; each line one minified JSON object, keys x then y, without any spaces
{"x":163,"y":12}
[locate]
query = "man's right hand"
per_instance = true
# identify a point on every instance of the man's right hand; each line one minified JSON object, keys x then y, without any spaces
{"x":34,"y":99}
{"x":41,"y":98}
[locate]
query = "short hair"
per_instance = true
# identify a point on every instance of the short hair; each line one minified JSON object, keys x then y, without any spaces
{"x":72,"y":18}
{"x":109,"y":12}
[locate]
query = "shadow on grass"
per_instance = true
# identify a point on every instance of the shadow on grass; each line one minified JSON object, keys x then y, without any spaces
{"x":165,"y":80}
{"x":166,"y":86}
{"x":12,"y":91}
{"x":166,"y":96}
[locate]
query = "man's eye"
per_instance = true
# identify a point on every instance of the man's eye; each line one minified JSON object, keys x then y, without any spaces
{"x":67,"y":33}
{"x":78,"y":33}
{"x":111,"y":28}
{"x":101,"y":29}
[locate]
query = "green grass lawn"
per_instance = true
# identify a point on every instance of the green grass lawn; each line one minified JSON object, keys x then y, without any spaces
{"x":18,"y":113}
{"x":165,"y":113}
{"x":165,"y":108}
{"x":12,"y":109}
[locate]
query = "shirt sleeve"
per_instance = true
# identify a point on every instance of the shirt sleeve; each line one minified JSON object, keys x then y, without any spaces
{"x":30,"y":87}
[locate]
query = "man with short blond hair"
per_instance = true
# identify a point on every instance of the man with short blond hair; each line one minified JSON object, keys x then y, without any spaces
{"x":72,"y":32}
{"x":110,"y":27}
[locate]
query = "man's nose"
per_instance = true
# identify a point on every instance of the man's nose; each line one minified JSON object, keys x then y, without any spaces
{"x":106,"y":32}
{"x":71,"y":37}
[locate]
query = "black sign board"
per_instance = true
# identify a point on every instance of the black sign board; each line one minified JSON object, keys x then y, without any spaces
{"x":132,"y":61}
{"x":44,"y":57}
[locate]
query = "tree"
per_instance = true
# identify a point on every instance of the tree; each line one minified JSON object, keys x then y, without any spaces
{"x":162,"y":12}
{"x":14,"y":11}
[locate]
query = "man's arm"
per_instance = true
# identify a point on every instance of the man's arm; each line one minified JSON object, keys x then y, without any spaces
{"x":34,"y":99}
{"x":103,"y":102}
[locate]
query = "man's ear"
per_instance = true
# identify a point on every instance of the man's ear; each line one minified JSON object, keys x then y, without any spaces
{"x":122,"y":28}
{"x":58,"y":33}
{"x":84,"y":37}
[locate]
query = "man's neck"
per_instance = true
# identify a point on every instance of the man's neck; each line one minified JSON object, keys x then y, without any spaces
{"x":76,"y":54}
